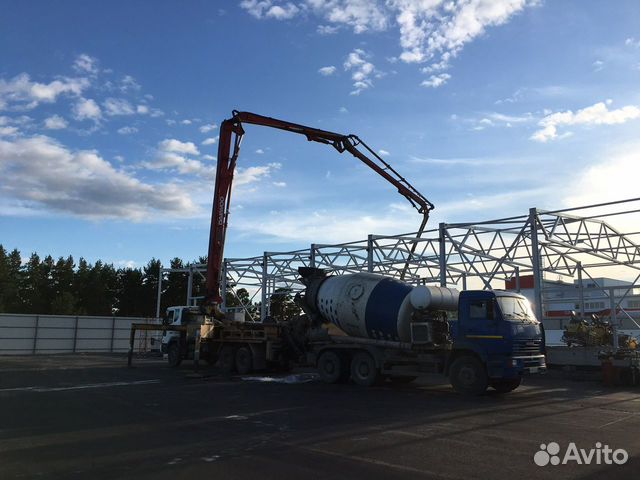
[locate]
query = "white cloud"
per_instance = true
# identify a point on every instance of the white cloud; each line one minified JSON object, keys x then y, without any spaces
{"x":86,"y":64}
{"x":176,"y":146}
{"x":361,"y":69}
{"x":597,"y":114}
{"x":326,"y":71}
{"x":186,"y":122}
{"x":55,"y":122}
{"x":7,"y":130}
{"x":87,"y":109}
{"x":208,"y":128}
{"x":435,"y":81}
{"x":361,"y":15}
{"x":343,"y":110}
{"x":128,"y":83}
{"x":284,"y":12}
{"x":496,"y":119}
{"x":173,"y":155}
{"x":433,"y":31}
{"x":47,"y":176}
{"x":118,"y":106}
{"x":270,"y":9}
{"x":254,"y":174}
{"x":127,"y":130}
{"x":21,"y":92}
{"x":620,"y":165}
{"x":259,"y":151}
{"x":280,"y":184}
{"x":327,"y":29}
{"x":126,"y":264}
{"x":166,"y":160}
{"x":438,"y":29}
{"x":142,"y":109}
{"x":598,"y":65}
{"x":209,"y":141}
{"x":383,"y":153}
{"x":632,"y":42}
{"x":326,"y":226}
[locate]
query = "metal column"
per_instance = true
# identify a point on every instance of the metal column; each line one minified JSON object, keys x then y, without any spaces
{"x":535,"y":261}
{"x":442,"y":255}
{"x":264,"y":300}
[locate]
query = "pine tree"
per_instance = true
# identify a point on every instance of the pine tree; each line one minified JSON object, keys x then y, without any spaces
{"x":65,"y":300}
{"x":4,"y":278}
{"x":130,"y":292}
{"x":12,"y":298}
{"x":150,"y":290}
{"x":175,"y":291}
{"x":35,"y":286}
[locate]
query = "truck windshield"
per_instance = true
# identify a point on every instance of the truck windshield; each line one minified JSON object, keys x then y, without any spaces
{"x":515,"y":308}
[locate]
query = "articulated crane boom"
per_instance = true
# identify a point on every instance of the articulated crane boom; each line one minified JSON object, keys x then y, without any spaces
{"x":231,"y":133}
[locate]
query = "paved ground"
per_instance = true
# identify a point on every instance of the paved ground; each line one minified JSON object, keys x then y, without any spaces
{"x":90,"y":417}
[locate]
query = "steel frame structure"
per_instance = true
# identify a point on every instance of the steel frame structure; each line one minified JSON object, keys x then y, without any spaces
{"x":573,"y":243}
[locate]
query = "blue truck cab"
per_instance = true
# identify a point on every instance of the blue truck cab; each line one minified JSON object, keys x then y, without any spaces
{"x":496,"y":340}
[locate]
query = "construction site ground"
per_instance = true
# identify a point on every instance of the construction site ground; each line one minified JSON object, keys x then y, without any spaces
{"x":88,"y":416}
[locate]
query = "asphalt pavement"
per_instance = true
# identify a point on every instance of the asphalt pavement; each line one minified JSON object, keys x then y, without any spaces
{"x":88,"y":416}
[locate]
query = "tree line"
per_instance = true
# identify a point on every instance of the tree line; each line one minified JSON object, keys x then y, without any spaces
{"x":66,"y":287}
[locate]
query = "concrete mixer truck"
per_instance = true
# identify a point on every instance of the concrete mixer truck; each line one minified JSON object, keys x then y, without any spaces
{"x":369,"y":327}
{"x":360,"y":326}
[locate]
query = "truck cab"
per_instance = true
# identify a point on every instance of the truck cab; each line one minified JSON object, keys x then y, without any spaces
{"x":176,"y":344}
{"x":496,"y":339}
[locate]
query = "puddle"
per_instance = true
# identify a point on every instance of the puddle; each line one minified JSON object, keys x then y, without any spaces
{"x":298,"y":378}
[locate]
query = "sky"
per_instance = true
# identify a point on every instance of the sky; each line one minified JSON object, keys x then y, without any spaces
{"x":109,"y":115}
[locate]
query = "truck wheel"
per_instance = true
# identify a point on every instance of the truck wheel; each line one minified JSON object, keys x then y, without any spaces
{"x":468,"y":376}
{"x":329,"y":366}
{"x":244,"y":361}
{"x":173,"y":355}
{"x":363,"y":369}
{"x":506,"y":386}
{"x":226,"y":359}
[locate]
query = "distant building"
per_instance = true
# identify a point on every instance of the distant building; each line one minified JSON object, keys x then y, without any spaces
{"x":561,"y":298}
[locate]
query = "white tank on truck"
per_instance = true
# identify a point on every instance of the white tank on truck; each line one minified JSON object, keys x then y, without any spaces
{"x":367,"y":305}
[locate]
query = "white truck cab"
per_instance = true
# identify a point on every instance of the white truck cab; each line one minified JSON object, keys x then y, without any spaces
{"x":176,"y":316}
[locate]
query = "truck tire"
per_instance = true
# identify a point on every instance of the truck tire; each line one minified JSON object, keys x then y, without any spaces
{"x":244,"y":360}
{"x":363,"y":369}
{"x":468,"y":376}
{"x":173,"y":355}
{"x":226,"y":359}
{"x":506,"y":386}
{"x":330,"y":366}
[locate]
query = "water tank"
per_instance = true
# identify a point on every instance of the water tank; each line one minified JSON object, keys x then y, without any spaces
{"x":373,"y":306}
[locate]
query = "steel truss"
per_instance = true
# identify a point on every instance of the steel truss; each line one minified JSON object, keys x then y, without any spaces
{"x":571,"y":243}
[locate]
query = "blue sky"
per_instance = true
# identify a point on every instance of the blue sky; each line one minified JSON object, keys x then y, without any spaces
{"x":109,"y":115}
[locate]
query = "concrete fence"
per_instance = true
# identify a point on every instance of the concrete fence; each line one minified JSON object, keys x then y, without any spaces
{"x":46,"y":334}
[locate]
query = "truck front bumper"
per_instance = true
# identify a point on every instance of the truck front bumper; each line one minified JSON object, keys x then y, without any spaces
{"x":511,"y":367}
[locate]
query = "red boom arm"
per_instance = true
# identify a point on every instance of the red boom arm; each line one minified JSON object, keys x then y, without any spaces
{"x":231,"y":133}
